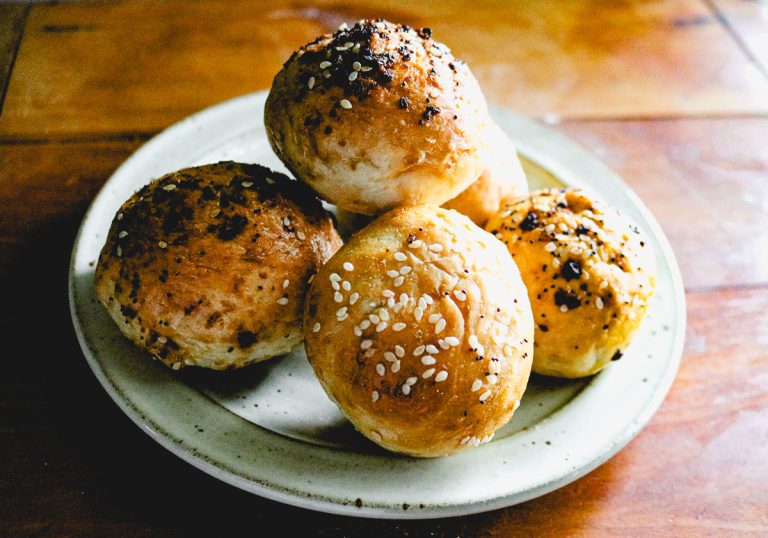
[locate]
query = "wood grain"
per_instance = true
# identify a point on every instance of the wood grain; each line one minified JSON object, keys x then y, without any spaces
{"x":706,"y":181}
{"x":748,"y":20}
{"x":137,"y":66}
{"x":12,"y":19}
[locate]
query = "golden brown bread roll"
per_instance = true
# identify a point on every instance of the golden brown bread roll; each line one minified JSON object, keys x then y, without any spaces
{"x":502,"y":179}
{"x":376,"y":116}
{"x":590,"y":273}
{"x":208,"y":266}
{"x":420,"y":329}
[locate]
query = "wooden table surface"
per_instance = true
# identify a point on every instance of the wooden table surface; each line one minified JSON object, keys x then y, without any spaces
{"x":673,"y":95}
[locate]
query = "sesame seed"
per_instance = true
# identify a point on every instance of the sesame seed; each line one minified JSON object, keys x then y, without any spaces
{"x":549,"y":228}
{"x":348,"y":266}
{"x":494,"y":367}
{"x":286,"y":282}
{"x":341,"y":312}
{"x":428,"y":360}
{"x":301,"y":235}
{"x":162,"y":244}
{"x":404,"y":298}
{"x":282,"y":301}
{"x":365,"y":324}
{"x":461,"y":295}
{"x":484,"y":396}
{"x":398,"y":281}
{"x":338,"y":297}
{"x":380,"y":369}
{"x":422,"y":303}
{"x":175,"y":365}
{"x":555,"y":263}
{"x":397,"y":327}
{"x":365,"y":68}
{"x":452,"y":341}
{"x":399,"y":256}
{"x":416,"y":244}
{"x":604,"y":284}
{"x":563,"y":226}
{"x":352,"y":76}
{"x":349,"y":45}
{"x":480,"y":350}
{"x":374,"y":318}
{"x":345,"y":104}
{"x":346,"y":285}
{"x":406,"y":389}
{"x":599,"y":303}
{"x":563,"y":308}
{"x":443,"y":344}
{"x":411,"y":380}
{"x":311,"y":83}
{"x":432,"y":350}
{"x":434,"y":318}
{"x":353,"y":298}
{"x":122,"y":234}
{"x":399,"y":351}
{"x":476,"y":384}
{"x":440,"y":326}
{"x":393,"y":274}
{"x":492,"y":378}
{"x":316,"y":328}
{"x":428,"y":298}
{"x":418,"y":351}
{"x":441,"y":376}
{"x":395,"y":367}
{"x":418,"y":313}
{"x":550,"y":247}
{"x":369,"y":353}
{"x":287,"y":221}
{"x":381,"y":326}
{"x":473,"y":341}
{"x":358,"y":331}
{"x":119,"y":251}
{"x":405,"y":269}
{"x":356,"y":66}
{"x":436,"y":247}
{"x":376,"y":436}
{"x":389,"y":356}
{"x":335,"y":286}
{"x":383,"y":314}
{"x":325,"y":64}
{"x":375,"y":397}
{"x":335,"y":277}
{"x":119,"y":216}
{"x":388,"y":293}
{"x":392,"y":304}
{"x":169,"y":187}
{"x":366,"y":344}
{"x":428,"y":373}
{"x":464,"y":441}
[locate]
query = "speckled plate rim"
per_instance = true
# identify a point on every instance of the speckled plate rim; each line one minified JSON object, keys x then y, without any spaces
{"x":539,"y":144}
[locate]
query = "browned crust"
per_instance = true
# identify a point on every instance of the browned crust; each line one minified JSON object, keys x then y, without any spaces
{"x":194,"y":264}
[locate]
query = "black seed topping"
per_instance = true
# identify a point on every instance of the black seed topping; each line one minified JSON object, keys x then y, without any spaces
{"x":562,"y":297}
{"x":543,"y":328}
{"x":245,"y":339}
{"x":231,"y":227}
{"x":404,"y":102}
{"x":530,"y":221}
{"x":617,"y":355}
{"x":571,"y":269}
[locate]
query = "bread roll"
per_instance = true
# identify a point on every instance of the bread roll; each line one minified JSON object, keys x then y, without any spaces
{"x":208,"y":266}
{"x":590,"y":274}
{"x":420,"y":329}
{"x":502,"y":179}
{"x":377,"y":116}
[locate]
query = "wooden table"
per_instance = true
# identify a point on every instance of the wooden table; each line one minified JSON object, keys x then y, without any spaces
{"x":672,"y":95}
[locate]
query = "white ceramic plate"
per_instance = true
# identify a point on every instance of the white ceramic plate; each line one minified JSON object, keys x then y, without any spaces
{"x":271,"y":430}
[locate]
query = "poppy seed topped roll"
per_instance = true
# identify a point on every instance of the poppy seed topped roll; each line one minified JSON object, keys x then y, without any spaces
{"x":377,"y":116}
{"x":208,"y":266}
{"x":590,"y":273}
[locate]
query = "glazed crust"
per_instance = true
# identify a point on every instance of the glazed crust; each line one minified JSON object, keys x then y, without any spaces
{"x":502,"y":179}
{"x":408,"y":129}
{"x":208,"y":266}
{"x":426,"y":344}
{"x":590,"y":274}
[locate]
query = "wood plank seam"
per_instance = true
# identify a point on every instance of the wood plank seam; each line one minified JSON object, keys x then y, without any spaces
{"x":728,"y":27}
{"x":16,"y":47}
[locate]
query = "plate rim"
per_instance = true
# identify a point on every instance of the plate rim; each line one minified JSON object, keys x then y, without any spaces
{"x":341,"y":506}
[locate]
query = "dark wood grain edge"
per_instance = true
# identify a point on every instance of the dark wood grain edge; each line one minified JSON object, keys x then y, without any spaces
{"x":722,"y":18}
{"x":13,"y":20}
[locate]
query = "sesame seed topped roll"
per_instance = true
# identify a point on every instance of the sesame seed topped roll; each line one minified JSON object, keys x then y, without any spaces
{"x":420,"y":329}
{"x":590,"y":274}
{"x":502,"y":179}
{"x":378,"y":115}
{"x":208,"y":266}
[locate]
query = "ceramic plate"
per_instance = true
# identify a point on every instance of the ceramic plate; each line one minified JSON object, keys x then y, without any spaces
{"x":270,"y":429}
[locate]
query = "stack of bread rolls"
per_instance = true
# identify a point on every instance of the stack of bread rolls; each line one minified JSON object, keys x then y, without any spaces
{"x":424,"y":327}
